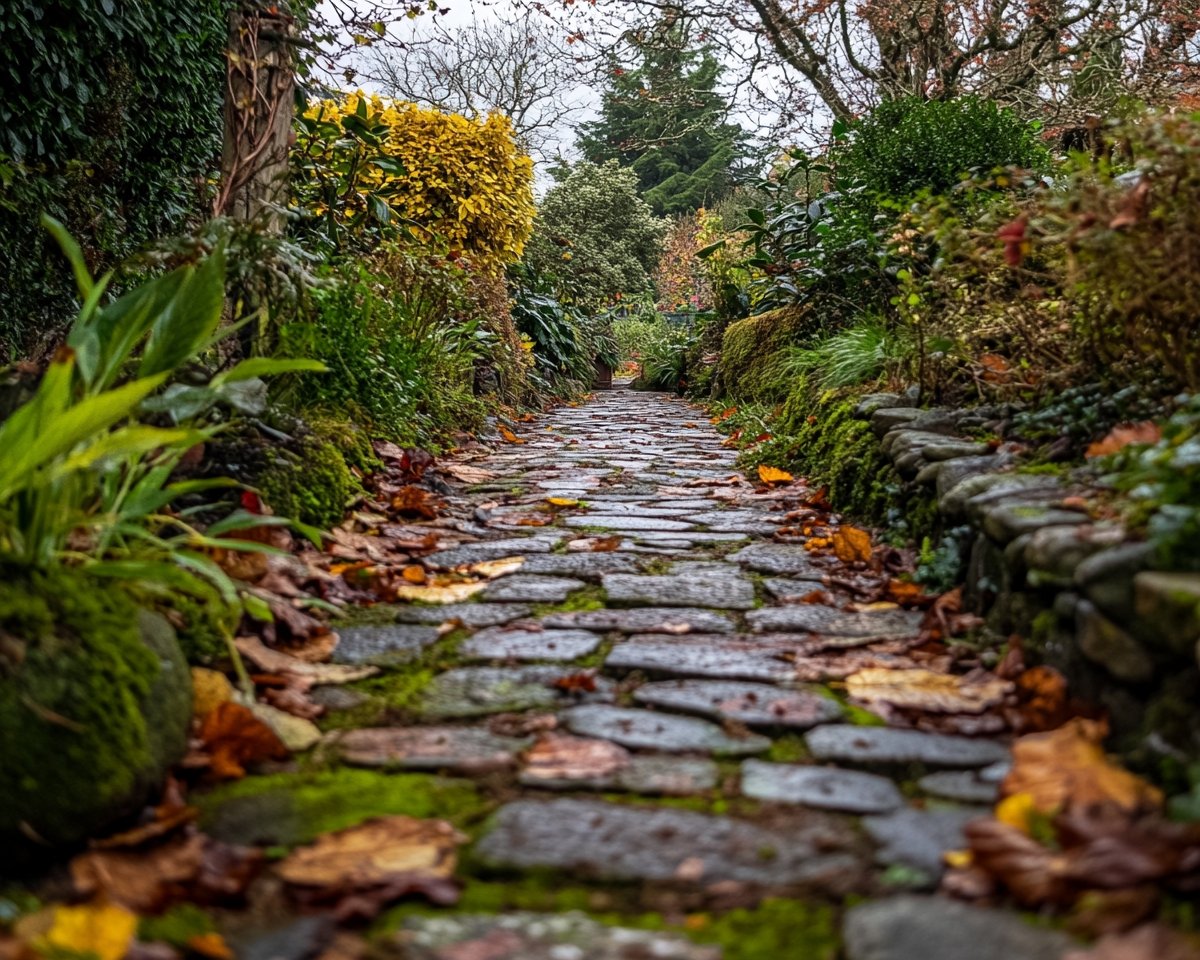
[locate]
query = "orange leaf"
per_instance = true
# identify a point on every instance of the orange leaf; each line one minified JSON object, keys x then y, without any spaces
{"x":415,"y":502}
{"x":509,"y":435}
{"x":773,"y":474}
{"x":852,"y":545}
{"x":1124,"y":434}
{"x":210,"y":945}
{"x":235,"y":737}
{"x":414,"y":573}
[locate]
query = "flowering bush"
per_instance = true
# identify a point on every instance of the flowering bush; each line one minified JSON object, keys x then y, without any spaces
{"x":365,"y":165}
{"x":680,"y":277}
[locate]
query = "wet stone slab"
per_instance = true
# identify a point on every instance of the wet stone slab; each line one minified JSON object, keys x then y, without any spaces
{"x":787,"y":590}
{"x":644,"y":620}
{"x":382,"y":645}
{"x":531,"y":588}
{"x":468,"y":614}
{"x":478,"y":691}
{"x":647,"y":730}
{"x":779,"y":559}
{"x":935,"y":928}
{"x":719,"y":591}
{"x":829,"y":621}
{"x":879,"y":745}
{"x":754,"y":704}
{"x":607,"y":841}
{"x":919,"y":838}
{"x":966,"y":786}
{"x":500,"y":643}
{"x":718,"y":657}
{"x":488,"y":550}
{"x":584,"y":566}
{"x":539,"y":936}
{"x":453,"y":749}
{"x":624,"y":524}
{"x":828,"y":788}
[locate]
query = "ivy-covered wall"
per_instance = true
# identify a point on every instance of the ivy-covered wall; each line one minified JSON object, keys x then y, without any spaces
{"x":110,"y":120}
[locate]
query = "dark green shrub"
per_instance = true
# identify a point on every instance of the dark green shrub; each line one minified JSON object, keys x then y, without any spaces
{"x":905,"y":146}
{"x":314,"y":486}
{"x":110,"y":120}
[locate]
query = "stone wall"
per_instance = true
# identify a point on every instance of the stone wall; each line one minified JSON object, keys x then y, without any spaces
{"x":1083,"y":593}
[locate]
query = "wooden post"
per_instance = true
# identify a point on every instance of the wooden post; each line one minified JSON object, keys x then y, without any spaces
{"x":260,"y":84}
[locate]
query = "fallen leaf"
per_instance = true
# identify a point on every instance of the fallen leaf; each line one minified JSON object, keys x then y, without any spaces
{"x":103,"y":930}
{"x":147,"y":881}
{"x":771,"y":475}
{"x":451,"y":593}
{"x":296,"y":732}
{"x":491,"y":569}
{"x":509,"y":435}
{"x":560,"y":756}
{"x":904,"y":591}
{"x":582,"y":682}
{"x":604,"y":544}
{"x":275,"y":661}
{"x":926,"y":690}
{"x":235,"y":737}
{"x":211,"y":945}
{"x":562,"y":502}
{"x":1041,"y":700}
{"x":1068,"y":769}
{"x":210,"y":689}
{"x":467,"y":473}
{"x":852,"y":545}
{"x":414,"y":573}
{"x":1123,"y":435}
{"x":413,"y":501}
{"x":373,"y":852}
{"x":724,"y":415}
{"x":1032,"y":873}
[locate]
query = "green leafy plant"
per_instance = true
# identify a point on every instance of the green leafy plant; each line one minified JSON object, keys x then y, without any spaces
{"x":856,"y":355}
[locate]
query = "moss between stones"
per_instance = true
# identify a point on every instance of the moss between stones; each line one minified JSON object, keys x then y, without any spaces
{"x":591,"y":597}
{"x":305,"y":805}
{"x":177,"y":926}
{"x":83,"y":719}
{"x":773,"y":929}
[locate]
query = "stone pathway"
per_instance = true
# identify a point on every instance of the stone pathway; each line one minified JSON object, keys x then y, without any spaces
{"x":632,"y":700}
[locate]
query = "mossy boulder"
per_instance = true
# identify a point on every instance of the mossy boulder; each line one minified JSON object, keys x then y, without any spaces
{"x":95,"y":703}
{"x":314,"y":485}
{"x":751,"y":351}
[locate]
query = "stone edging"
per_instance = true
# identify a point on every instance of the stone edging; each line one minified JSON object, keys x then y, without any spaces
{"x":1083,"y":593}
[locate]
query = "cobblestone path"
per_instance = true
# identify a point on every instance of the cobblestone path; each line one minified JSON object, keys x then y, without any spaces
{"x":656,"y":721}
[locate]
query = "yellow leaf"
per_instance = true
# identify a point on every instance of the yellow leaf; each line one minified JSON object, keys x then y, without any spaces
{"x":920,"y":689}
{"x":1016,"y":811}
{"x":851,"y":545}
{"x":958,"y":859}
{"x":497,"y":568}
{"x":773,"y":474}
{"x":454,"y":593}
{"x":105,"y":930}
{"x":210,"y":689}
{"x":509,"y":435}
{"x":562,"y":501}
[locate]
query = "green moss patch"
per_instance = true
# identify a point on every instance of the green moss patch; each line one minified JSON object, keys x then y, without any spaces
{"x":750,"y":353}
{"x":288,"y":809}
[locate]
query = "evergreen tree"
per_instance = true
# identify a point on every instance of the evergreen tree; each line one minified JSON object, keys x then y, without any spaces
{"x":664,"y":119}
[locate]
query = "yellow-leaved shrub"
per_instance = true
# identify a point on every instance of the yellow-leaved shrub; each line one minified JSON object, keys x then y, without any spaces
{"x":363,"y":161}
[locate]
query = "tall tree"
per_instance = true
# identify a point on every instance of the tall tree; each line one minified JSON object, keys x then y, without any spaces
{"x":664,"y":118}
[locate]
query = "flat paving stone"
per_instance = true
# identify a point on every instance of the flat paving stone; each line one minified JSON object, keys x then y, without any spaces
{"x":501,"y":643}
{"x":647,"y":730}
{"x":829,"y":621}
{"x":935,"y":928}
{"x":828,"y":788}
{"x":563,"y":762}
{"x":967,"y":786}
{"x":722,"y":592}
{"x":584,"y":566}
{"x":606,"y":841}
{"x":787,"y":590}
{"x":539,"y":936}
{"x":919,"y":838}
{"x":532,"y":588}
{"x":719,"y":657}
{"x":453,"y":749}
{"x":468,"y":614}
{"x":880,"y":745}
{"x":622,"y":524}
{"x":487,"y":550}
{"x":644,"y":620}
{"x":479,"y":691}
{"x":382,"y":645}
{"x":779,"y":559}
{"x":754,"y":704}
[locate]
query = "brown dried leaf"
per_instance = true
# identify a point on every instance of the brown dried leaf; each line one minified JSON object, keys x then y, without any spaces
{"x":1067,"y":769}
{"x":852,"y":545}
{"x":235,"y":737}
{"x":1032,"y":873}
{"x":275,"y":661}
{"x":373,"y":852}
{"x":1124,"y":434}
{"x":925,"y":690}
{"x":416,"y":502}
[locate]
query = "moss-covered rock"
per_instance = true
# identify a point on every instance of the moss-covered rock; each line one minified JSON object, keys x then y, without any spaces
{"x":95,"y":702}
{"x":751,"y":349}
{"x":313,"y":486}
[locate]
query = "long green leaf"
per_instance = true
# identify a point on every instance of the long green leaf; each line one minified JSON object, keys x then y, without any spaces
{"x":70,"y":249}
{"x":190,"y":318}
{"x":267,"y":367}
